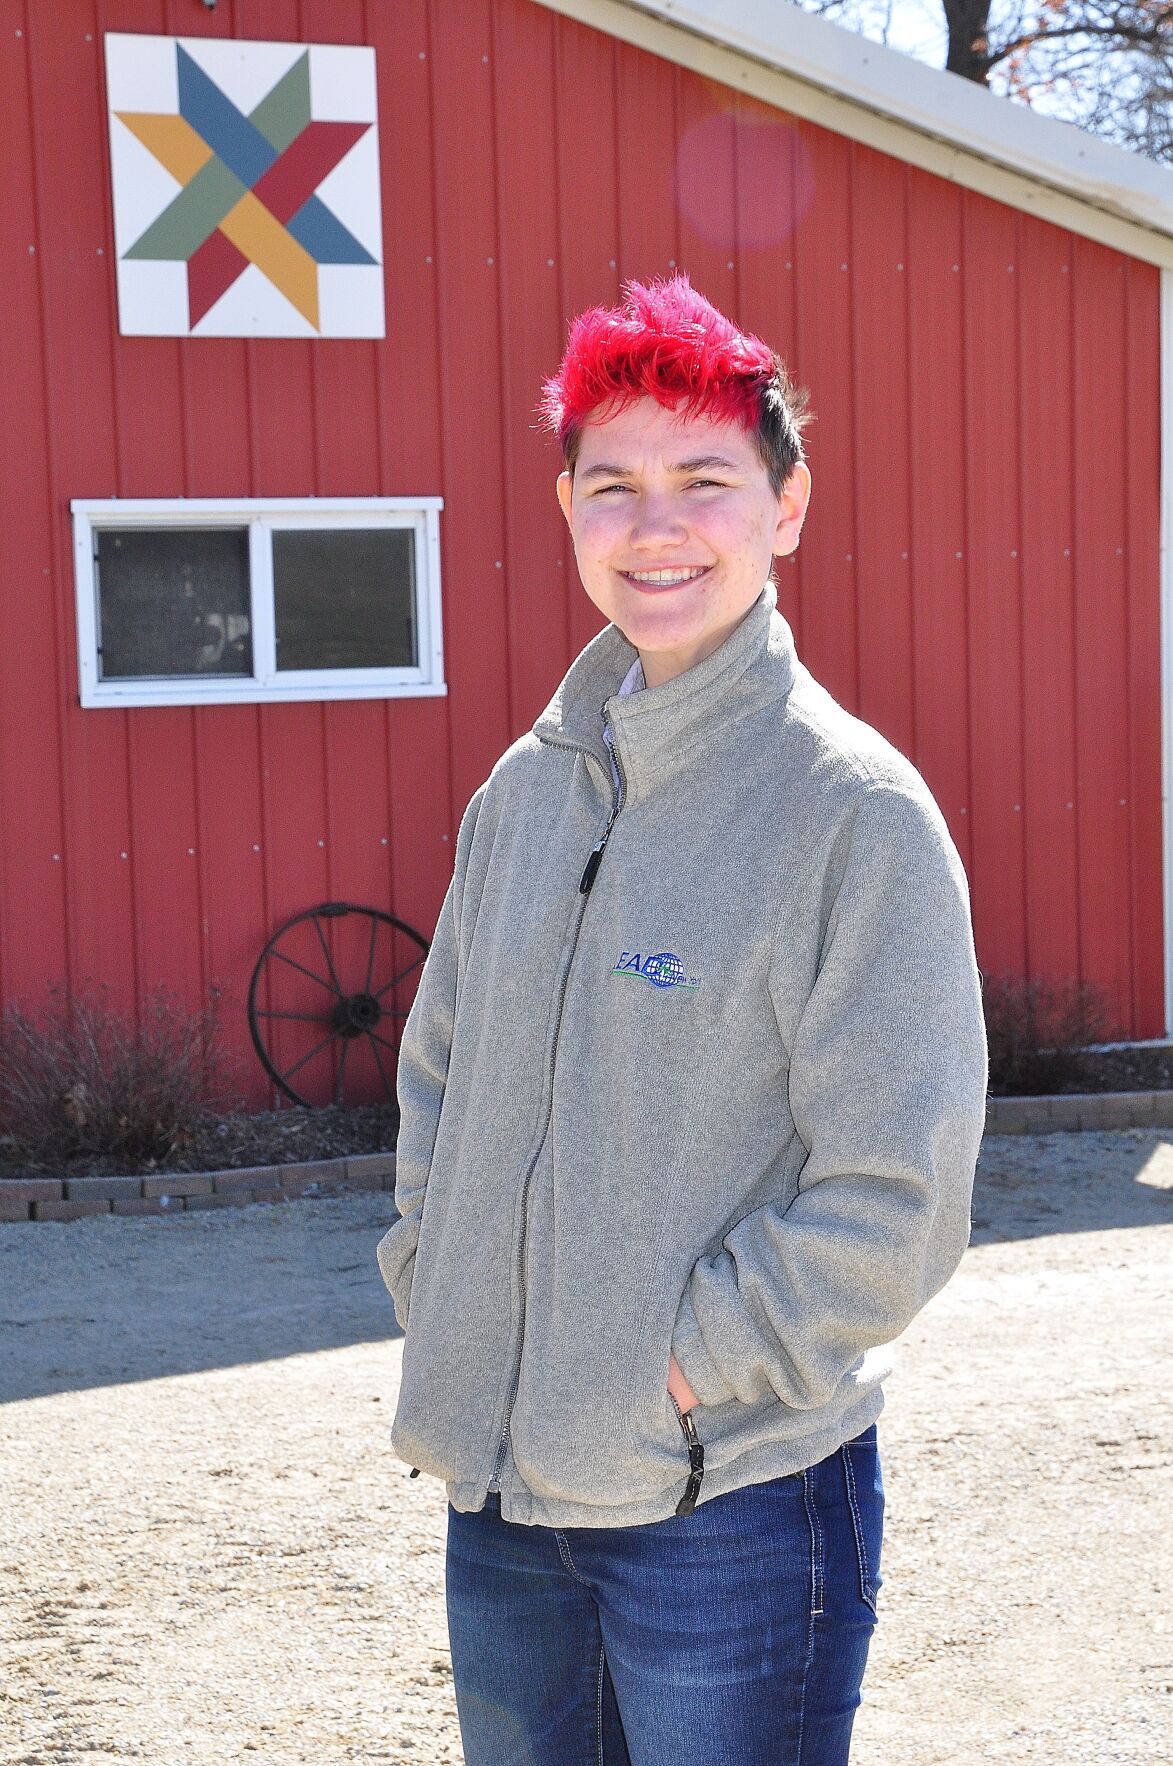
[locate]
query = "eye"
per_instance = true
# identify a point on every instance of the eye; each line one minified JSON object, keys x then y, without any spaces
{"x":712,"y":484}
{"x":604,"y":489}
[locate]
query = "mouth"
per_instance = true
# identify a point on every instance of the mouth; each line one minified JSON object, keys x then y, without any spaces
{"x":653,"y":582}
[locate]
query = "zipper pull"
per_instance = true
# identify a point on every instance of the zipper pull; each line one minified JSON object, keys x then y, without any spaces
{"x":415,"y":1471}
{"x":696,"y":1461}
{"x":595,"y":856}
{"x":592,"y":865}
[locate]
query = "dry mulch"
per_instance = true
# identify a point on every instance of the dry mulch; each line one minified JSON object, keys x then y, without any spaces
{"x":239,"y":1140}
{"x":1139,"y":1067}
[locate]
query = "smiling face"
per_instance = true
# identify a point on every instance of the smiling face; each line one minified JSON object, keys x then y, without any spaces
{"x":675,"y":524}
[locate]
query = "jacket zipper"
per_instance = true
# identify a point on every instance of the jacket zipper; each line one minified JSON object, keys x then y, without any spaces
{"x":595,"y":856}
{"x":594,"y":859}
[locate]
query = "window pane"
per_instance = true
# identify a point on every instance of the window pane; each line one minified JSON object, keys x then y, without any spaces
{"x":173,"y":601}
{"x":345,"y":598}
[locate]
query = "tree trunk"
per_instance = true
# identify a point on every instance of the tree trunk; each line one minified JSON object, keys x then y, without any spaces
{"x":969,"y":43}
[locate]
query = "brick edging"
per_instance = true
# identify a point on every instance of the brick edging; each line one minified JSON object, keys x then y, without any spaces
{"x":189,"y":1192}
{"x":1067,"y":1112}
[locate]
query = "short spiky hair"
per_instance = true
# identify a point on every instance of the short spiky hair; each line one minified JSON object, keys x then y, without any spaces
{"x":668,"y":342}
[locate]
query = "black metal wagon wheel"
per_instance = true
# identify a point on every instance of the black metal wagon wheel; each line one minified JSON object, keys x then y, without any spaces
{"x":327,"y":1002}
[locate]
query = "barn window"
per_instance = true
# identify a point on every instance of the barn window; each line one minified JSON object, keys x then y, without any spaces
{"x":197,"y":601}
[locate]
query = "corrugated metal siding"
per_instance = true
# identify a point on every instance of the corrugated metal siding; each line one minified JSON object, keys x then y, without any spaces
{"x":978,"y":574}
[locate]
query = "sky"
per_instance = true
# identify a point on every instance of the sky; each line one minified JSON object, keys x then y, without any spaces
{"x":917,"y":28}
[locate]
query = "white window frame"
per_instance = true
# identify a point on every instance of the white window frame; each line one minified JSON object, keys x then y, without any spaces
{"x":262,"y":516}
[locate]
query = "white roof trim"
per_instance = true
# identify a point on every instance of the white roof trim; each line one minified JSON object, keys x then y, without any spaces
{"x":945,"y":124}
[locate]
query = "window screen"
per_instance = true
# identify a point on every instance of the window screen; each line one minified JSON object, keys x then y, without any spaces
{"x":173,"y":601}
{"x":344,"y":597}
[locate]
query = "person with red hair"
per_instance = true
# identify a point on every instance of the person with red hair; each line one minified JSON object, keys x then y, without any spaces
{"x":691,"y":1097}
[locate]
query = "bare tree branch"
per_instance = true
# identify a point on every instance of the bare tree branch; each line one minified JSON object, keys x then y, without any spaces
{"x":1104,"y":64}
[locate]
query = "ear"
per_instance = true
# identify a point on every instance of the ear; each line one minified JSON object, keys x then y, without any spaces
{"x":565,"y":489}
{"x":792,"y":507}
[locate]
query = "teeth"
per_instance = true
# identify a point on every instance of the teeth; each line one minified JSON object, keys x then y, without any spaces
{"x":667,"y":576}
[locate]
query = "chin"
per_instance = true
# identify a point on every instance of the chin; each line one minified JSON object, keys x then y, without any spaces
{"x":669,"y":625}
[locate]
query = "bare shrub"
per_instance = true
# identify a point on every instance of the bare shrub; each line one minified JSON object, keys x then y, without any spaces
{"x":83,"y":1079}
{"x":1037,"y":1031}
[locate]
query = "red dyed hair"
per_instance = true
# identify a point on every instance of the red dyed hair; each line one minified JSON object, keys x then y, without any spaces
{"x":669,"y":343}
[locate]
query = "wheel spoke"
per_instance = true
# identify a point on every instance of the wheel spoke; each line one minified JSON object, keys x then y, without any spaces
{"x":305,"y":971}
{"x":388,"y":1090}
{"x":341,"y":1070}
{"x":371,"y":955}
{"x":302,"y":1017}
{"x":385,"y":1043}
{"x":400,"y":977}
{"x":328,"y":957}
{"x":314,"y":1051}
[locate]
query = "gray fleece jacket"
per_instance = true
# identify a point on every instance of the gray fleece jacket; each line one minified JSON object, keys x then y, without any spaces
{"x":698,"y":1064}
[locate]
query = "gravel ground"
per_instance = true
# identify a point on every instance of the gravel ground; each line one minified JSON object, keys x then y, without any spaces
{"x":208,"y":1553}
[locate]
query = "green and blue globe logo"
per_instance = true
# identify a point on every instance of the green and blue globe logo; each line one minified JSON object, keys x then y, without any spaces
{"x":663,"y":969}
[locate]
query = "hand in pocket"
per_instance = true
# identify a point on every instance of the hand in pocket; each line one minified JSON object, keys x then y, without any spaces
{"x":678,"y":1386}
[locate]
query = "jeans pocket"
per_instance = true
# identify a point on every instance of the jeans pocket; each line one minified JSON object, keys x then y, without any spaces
{"x":865,"y":1499}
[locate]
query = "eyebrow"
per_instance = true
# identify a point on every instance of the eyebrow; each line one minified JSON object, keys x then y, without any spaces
{"x":702,"y":463}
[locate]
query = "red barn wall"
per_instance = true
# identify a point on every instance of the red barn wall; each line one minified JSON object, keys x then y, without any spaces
{"x":978,"y":574}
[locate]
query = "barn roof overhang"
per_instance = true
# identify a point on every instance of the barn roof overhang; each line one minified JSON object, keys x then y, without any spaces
{"x":936,"y":120}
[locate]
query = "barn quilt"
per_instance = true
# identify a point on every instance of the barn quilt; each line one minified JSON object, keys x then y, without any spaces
{"x":245,"y":183}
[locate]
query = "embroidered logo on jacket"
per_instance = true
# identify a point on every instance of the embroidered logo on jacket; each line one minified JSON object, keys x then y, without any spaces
{"x":663,"y":970}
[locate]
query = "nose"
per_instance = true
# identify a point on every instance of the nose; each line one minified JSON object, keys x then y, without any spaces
{"x":657,"y":522}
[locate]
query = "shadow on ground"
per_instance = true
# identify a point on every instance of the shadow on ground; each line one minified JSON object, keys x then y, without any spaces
{"x":1031,"y":1186}
{"x":106,"y":1300}
{"x":101,"y":1301}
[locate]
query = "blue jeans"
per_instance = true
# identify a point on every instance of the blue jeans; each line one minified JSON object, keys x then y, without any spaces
{"x":736,"y":1635}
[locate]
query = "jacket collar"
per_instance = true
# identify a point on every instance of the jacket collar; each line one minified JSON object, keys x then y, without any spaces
{"x":658,"y":730}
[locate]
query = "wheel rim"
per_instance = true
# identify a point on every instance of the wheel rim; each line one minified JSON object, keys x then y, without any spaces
{"x":328,"y":999}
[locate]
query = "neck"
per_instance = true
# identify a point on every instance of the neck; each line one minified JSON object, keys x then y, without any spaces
{"x":662,"y":666}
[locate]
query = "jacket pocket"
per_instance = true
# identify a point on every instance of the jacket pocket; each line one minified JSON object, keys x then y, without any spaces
{"x":395,"y":1254}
